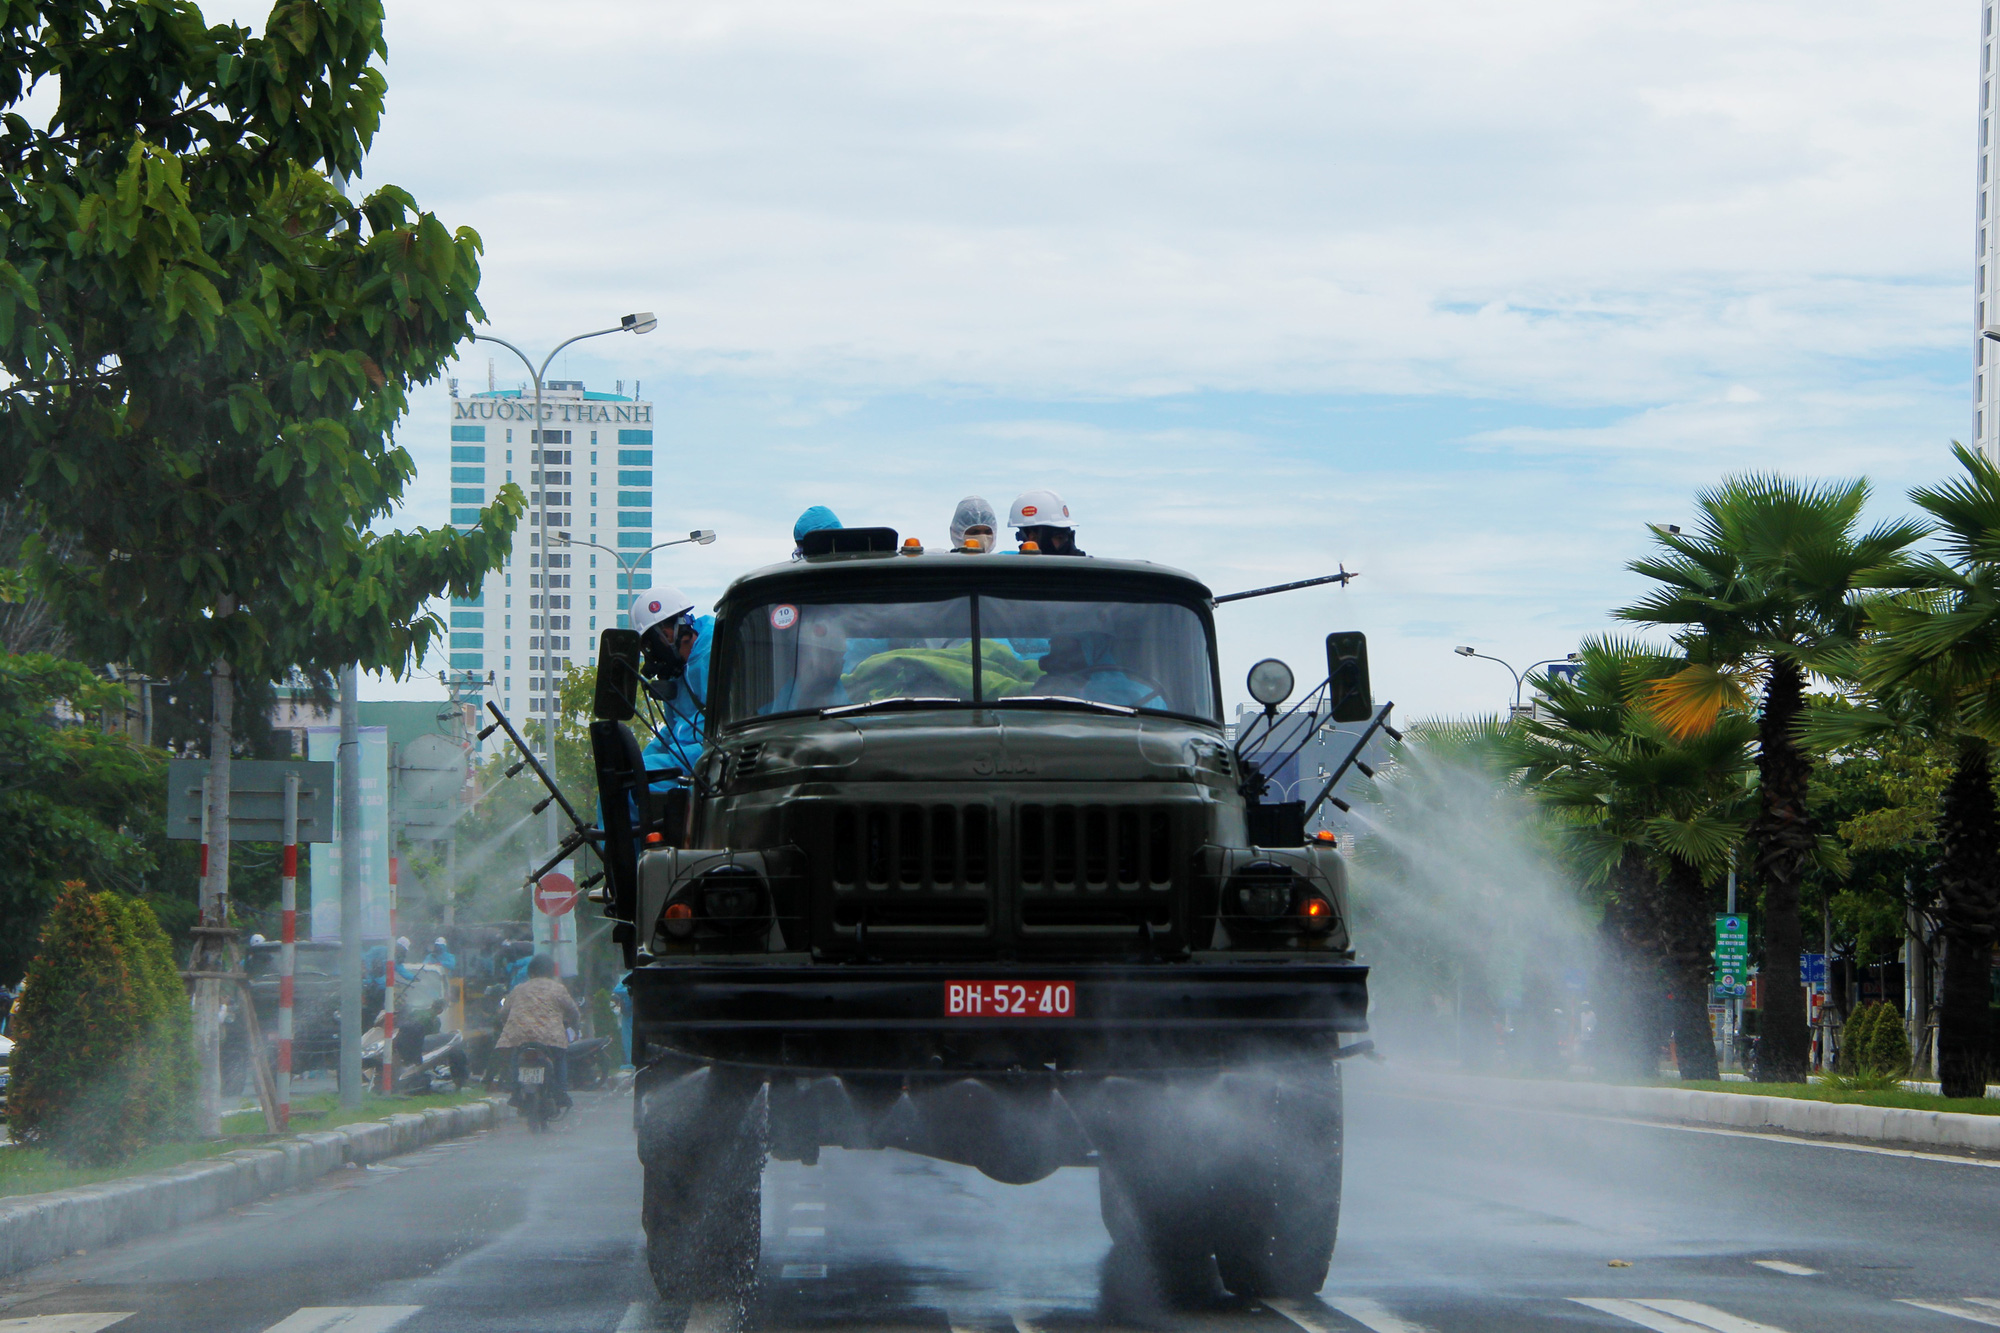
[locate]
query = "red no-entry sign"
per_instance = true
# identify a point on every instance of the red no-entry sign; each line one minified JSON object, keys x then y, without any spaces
{"x":555,"y":893}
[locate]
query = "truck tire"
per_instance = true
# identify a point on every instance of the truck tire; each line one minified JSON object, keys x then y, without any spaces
{"x":1159,"y":1222}
{"x":702,"y":1145}
{"x":1276,"y":1197}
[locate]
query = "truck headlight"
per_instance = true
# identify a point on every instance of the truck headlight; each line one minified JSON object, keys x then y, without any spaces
{"x":734,"y":897}
{"x":1263,"y":891}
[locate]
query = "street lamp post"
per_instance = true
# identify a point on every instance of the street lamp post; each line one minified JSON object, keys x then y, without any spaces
{"x":643,"y":322}
{"x":700,"y":537}
{"x":1520,"y":677}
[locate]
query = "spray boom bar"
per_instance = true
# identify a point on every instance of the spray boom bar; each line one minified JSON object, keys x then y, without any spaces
{"x":1381,"y":723}
{"x":1342,"y":578}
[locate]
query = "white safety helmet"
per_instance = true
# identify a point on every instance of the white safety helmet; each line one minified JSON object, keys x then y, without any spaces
{"x":1039,"y":509}
{"x":663,"y":603}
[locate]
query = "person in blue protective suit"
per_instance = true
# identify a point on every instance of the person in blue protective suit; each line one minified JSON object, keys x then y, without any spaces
{"x":674,"y":645}
{"x":1086,"y":666}
{"x":816,"y":519}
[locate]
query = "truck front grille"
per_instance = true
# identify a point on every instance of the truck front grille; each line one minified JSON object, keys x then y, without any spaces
{"x":912,"y":847}
{"x":1072,"y":847}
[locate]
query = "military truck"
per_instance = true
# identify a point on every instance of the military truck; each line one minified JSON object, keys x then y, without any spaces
{"x":966,"y":870}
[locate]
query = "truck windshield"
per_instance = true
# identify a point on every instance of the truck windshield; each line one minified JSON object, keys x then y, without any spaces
{"x":799,"y":656}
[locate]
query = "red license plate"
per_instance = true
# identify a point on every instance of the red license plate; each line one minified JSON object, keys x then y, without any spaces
{"x":1010,"y":999}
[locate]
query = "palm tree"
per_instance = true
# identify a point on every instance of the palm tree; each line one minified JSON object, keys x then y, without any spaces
{"x":1763,"y":592}
{"x":1652,"y":814}
{"x":1935,"y":663}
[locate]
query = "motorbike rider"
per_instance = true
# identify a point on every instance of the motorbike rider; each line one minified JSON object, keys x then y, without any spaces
{"x":1041,"y":517}
{"x":674,"y":647}
{"x":540,"y":1010}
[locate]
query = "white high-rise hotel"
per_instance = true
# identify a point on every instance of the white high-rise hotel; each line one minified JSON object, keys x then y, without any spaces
{"x":1986,"y":295}
{"x":543,"y":609}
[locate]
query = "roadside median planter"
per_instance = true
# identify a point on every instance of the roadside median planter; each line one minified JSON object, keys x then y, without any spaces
{"x":36,"y":1228}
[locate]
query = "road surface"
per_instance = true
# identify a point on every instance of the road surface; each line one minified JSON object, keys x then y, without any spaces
{"x":1456,"y":1218}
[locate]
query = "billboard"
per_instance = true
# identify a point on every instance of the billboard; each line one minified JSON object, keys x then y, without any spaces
{"x":323,"y":743}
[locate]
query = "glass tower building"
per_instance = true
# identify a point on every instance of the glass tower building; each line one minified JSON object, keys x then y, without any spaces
{"x":540,"y":612}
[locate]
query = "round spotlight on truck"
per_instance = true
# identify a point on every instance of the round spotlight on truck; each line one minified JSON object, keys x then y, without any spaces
{"x":1270,"y":682}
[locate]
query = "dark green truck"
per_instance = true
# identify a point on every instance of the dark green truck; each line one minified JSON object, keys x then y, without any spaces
{"x":965,"y":871}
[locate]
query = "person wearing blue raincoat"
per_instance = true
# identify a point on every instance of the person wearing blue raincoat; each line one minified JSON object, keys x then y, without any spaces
{"x":675,"y":644}
{"x":816,"y":519}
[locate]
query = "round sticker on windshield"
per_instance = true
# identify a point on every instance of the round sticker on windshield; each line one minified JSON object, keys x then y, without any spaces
{"x":784,"y":616}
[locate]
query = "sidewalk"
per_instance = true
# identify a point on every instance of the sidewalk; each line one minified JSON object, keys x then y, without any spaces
{"x":1946,"y":1130}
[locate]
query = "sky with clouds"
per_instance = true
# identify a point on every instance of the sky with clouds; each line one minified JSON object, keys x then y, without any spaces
{"x":1462,"y":295}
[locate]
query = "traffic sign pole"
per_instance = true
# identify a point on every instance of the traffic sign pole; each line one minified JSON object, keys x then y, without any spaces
{"x":288,"y":935}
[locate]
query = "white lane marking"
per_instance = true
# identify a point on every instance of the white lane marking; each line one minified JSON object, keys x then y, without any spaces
{"x":1638,"y":1314}
{"x":802,"y":1270}
{"x":344,"y":1319}
{"x":711,"y":1317}
{"x":1965,"y":1312}
{"x":808,"y":1207}
{"x":1023,"y":1324}
{"x":1707,"y":1316}
{"x":1762,"y":1137}
{"x":807,"y":1232}
{"x":1786,"y":1267}
{"x":640,"y":1317}
{"x":66,"y":1323}
{"x":1363,"y":1311}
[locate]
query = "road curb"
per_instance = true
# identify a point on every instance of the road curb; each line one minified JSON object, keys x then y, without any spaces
{"x":35,"y":1228}
{"x":1791,"y":1115}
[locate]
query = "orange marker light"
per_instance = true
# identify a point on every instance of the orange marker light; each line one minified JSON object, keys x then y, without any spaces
{"x":680,"y":919}
{"x":1324,"y":836}
{"x":1318,"y":913}
{"x":655,"y":838}
{"x":1031,"y":548}
{"x":911,"y":546}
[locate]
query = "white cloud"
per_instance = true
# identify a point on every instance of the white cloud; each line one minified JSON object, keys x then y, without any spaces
{"x":1600,"y":253}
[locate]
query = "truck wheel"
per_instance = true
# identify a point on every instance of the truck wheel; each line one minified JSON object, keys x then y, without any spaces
{"x":703,"y":1148}
{"x":1159,"y":1220}
{"x":1276,"y":1197}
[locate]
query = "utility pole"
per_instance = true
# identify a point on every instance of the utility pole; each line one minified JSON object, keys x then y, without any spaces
{"x":350,"y":887}
{"x":207,"y":956}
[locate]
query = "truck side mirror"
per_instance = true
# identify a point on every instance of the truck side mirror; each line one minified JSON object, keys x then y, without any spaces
{"x":617,"y":697}
{"x":1347,"y":676}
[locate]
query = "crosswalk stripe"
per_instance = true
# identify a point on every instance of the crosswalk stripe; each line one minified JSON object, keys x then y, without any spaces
{"x":1990,"y":1318}
{"x":65,"y":1323}
{"x":1363,"y":1311}
{"x":344,"y":1319}
{"x":1787,"y":1267}
{"x":1634,"y":1312}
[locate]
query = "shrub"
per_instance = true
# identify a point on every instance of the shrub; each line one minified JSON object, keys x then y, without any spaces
{"x":75,"y":1031}
{"x":163,"y":1064}
{"x":1854,"y":1038}
{"x":1874,"y":1048}
{"x":1888,"y":1049}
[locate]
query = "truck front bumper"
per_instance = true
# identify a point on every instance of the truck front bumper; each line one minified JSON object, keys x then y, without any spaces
{"x":892,"y":1017}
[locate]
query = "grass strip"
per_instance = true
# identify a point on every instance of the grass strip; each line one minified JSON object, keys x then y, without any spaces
{"x":1899,"y":1099}
{"x":30,"y":1170}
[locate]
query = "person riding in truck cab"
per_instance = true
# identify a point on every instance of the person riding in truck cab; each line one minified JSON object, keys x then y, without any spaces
{"x":674,"y":644}
{"x":816,"y":519}
{"x":972,"y":525}
{"x":1041,"y":518}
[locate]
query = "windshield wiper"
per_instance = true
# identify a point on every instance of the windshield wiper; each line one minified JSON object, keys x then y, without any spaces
{"x":901,"y":701}
{"x":1069,"y":700}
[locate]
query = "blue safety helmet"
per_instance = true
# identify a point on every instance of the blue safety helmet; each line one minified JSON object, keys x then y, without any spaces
{"x":816,"y":519}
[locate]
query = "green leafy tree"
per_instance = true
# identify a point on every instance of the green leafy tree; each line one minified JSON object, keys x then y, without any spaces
{"x":1763,"y":592}
{"x":1652,"y":815}
{"x":75,"y":802}
{"x":206,"y":346}
{"x":1934,"y":663}
{"x":80,"y":1014}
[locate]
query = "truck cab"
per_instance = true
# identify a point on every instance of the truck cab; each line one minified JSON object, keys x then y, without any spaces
{"x":965,"y":869}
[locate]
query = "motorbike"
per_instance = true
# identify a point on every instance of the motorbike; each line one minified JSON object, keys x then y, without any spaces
{"x":535,"y":1092}
{"x":442,"y":1069}
{"x":590,"y":1062}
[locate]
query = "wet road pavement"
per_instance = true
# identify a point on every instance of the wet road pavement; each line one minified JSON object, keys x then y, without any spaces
{"x":1457,"y":1217}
